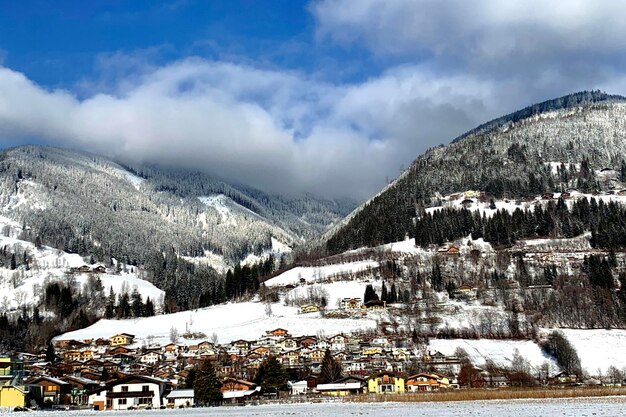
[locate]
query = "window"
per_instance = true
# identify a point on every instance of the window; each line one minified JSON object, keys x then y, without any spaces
{"x":121,"y":401}
{"x":145,"y":388}
{"x":145,"y":400}
{"x":124,"y":388}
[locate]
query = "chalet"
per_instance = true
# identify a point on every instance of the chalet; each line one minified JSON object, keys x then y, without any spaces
{"x":307,"y":341}
{"x":122,"y":339}
{"x":316,"y":355}
{"x":385,"y":383}
{"x":232,"y":384}
{"x":134,"y":391}
{"x":289,"y":344}
{"x":240,"y":397}
{"x":180,"y":398}
{"x":565,"y":195}
{"x":309,"y":308}
{"x":170,"y":348}
{"x":54,"y":391}
{"x":72,"y":355}
{"x":79,"y":388}
{"x":426,"y":382}
{"x":151,"y":358}
{"x":338,"y":343}
{"x":493,"y":380}
{"x":102,"y":342}
{"x":84,"y":269}
{"x":547,"y":196}
{"x":351,"y":303}
{"x":242,"y":345}
{"x":100,"y":269}
{"x":278,"y":333}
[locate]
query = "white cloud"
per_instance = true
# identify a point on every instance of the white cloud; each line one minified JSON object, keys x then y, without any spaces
{"x":475,"y":30}
{"x":285,"y":131}
{"x":273,"y":129}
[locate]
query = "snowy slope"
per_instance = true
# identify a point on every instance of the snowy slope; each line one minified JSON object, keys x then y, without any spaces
{"x":598,"y":349}
{"x":319,"y":273}
{"x":499,"y":351}
{"x":23,"y":287}
{"x":230,"y":322}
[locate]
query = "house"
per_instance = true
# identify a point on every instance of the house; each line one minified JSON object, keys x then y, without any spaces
{"x":80,"y":388}
{"x":451,"y":250}
{"x":122,"y":339}
{"x":180,"y":398}
{"x":307,"y":341}
{"x":240,"y":397}
{"x":338,"y":343}
{"x":133,"y":391}
{"x":54,"y":391}
{"x":232,"y":384}
{"x":547,"y":196}
{"x":351,"y":303}
{"x":12,"y":396}
{"x":151,"y":358}
{"x":426,"y":382}
{"x":100,"y":269}
{"x":309,"y":308}
{"x":82,"y":269}
{"x":298,"y":387}
{"x":340,"y":389}
{"x":385,"y":383}
{"x":278,"y":333}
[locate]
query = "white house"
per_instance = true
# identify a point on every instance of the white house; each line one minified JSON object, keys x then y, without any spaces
{"x":135,"y":391}
{"x":151,"y":358}
{"x":180,"y":398}
{"x":298,"y":387}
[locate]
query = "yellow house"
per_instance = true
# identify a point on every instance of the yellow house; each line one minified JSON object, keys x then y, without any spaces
{"x":121,"y":339}
{"x":11,"y":396}
{"x":5,"y":368}
{"x":309,"y":309}
{"x":385,"y":383}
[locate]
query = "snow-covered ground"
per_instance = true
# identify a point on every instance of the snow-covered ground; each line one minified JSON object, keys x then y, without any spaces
{"x":232,"y":321}
{"x":130,"y":177}
{"x":598,"y":349}
{"x":23,"y":287}
{"x":499,"y":351}
{"x":319,"y":273}
{"x":575,"y":407}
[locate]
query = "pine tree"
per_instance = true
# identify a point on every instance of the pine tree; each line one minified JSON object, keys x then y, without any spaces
{"x":109,"y":310}
{"x":370,"y":294}
{"x":149,"y":308}
{"x":207,"y":385}
{"x":137,"y":305}
{"x":271,"y":375}
{"x":50,"y":353}
{"x":331,"y":369}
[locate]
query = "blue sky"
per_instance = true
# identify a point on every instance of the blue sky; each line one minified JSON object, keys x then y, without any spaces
{"x":332,"y":97}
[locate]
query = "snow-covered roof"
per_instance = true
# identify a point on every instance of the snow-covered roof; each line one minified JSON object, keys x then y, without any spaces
{"x":338,"y":387}
{"x":181,"y":393}
{"x":239,"y":394}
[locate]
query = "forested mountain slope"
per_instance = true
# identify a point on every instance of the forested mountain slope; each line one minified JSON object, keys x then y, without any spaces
{"x":577,"y":141}
{"x":151,"y":217}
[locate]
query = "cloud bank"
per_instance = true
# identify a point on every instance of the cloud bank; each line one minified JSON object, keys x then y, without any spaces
{"x":455,"y":64}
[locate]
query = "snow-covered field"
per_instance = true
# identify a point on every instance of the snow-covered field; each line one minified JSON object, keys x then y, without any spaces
{"x":599,"y":349}
{"x":319,"y":273}
{"x":598,"y":407}
{"x":232,"y":321}
{"x":499,"y":351}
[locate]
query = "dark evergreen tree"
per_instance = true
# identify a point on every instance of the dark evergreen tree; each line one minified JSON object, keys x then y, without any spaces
{"x":331,"y":369}
{"x":207,"y":385}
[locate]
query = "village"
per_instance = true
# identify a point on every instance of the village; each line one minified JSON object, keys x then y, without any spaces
{"x":118,"y":374}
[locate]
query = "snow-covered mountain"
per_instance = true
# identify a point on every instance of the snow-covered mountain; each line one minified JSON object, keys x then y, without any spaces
{"x":514,"y":156}
{"x":88,"y":204}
